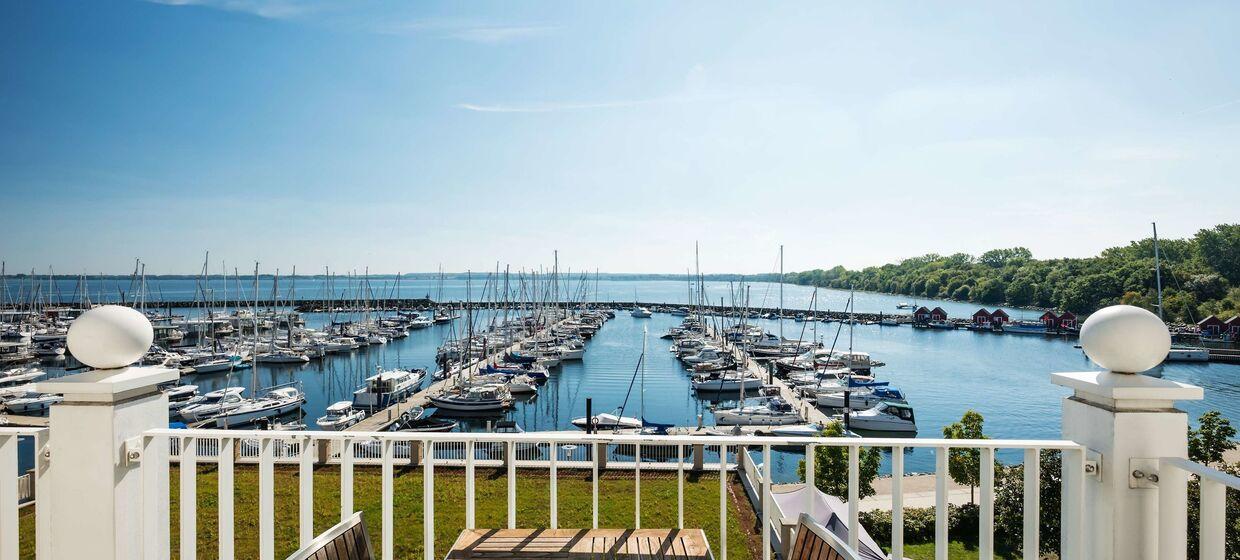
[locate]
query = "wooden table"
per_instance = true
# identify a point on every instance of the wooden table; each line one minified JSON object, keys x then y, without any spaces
{"x":581,"y":544}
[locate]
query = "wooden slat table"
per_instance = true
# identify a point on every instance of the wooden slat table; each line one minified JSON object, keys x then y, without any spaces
{"x":581,"y":544}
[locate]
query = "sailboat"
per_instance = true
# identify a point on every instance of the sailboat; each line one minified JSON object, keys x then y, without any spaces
{"x":1178,"y":352}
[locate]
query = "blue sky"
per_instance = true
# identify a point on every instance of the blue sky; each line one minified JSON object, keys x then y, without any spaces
{"x":401,"y":135}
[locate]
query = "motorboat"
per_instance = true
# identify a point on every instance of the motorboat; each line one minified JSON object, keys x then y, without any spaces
{"x":340,"y":415}
{"x":215,"y":364}
{"x":860,"y":397}
{"x":796,"y":430}
{"x":886,"y":417}
{"x":180,"y":393}
{"x":21,"y":375}
{"x":1024,"y":327}
{"x":49,"y":350}
{"x":1188,"y":354}
{"x":212,"y":403}
{"x":30,"y":402}
{"x":641,"y":313}
{"x":276,"y":402}
{"x":421,"y":323}
{"x":706,"y":354}
{"x":387,"y":387}
{"x":607,"y":421}
{"x":418,"y":419}
{"x":760,"y":411}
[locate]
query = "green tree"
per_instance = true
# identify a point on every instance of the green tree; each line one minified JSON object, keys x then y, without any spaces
{"x":964,"y":465}
{"x":831,"y":466}
{"x":1212,"y":438}
{"x":1010,"y":503}
{"x":1220,"y":248}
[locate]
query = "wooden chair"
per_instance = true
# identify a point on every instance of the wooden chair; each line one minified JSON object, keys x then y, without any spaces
{"x":346,"y":541}
{"x":815,"y":542}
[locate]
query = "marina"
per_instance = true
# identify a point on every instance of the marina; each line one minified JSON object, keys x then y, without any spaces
{"x":922,"y":363}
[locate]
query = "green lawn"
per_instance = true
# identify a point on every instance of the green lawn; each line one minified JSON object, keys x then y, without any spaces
{"x":533,"y":507}
{"x":955,"y":550}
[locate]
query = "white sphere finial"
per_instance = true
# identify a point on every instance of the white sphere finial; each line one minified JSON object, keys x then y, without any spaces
{"x":110,"y":336}
{"x":1125,"y":339}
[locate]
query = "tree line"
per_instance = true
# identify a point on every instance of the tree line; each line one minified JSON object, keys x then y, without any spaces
{"x":1200,"y":276}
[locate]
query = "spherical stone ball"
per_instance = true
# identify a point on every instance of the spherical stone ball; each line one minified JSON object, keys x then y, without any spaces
{"x":110,"y":336}
{"x":1125,"y":339}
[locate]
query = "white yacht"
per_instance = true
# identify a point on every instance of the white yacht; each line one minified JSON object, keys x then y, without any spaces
{"x":607,"y":421}
{"x":1188,"y":354}
{"x":339,"y":416}
{"x":886,"y":417}
{"x":490,"y":397}
{"x":860,"y":397}
{"x":387,"y":387}
{"x":18,"y":376}
{"x":30,"y":402}
{"x":212,"y":403}
{"x":641,"y":313}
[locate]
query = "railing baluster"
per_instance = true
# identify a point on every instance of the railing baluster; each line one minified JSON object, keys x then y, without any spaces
{"x":986,"y":526}
{"x":469,"y":484}
{"x":766,"y":502}
{"x":811,"y":461}
{"x":266,"y":500}
{"x":723,"y":502}
{"x":156,"y":509}
{"x":1213,"y":530}
{"x":388,"y":537}
{"x":680,"y":486}
{"x":226,"y":495}
{"x":428,"y":499}
{"x":940,"y":504}
{"x":346,"y":478}
{"x":897,"y":502}
{"x":1072,"y":515}
{"x":1033,"y":508}
{"x":854,"y":500}
{"x":1172,"y":511}
{"x":157,"y":500}
{"x":510,"y":455}
{"x":189,"y":498}
{"x":305,"y":491}
{"x":8,"y":497}
{"x":637,"y":486}
{"x":597,"y":449}
{"x":555,"y":491}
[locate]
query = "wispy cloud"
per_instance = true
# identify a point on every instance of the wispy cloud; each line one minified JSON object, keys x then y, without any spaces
{"x":1213,"y":108}
{"x":269,"y":9}
{"x":552,"y":107}
{"x":474,"y":32}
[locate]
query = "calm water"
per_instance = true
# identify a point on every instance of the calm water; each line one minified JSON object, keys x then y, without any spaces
{"x":761,"y":294}
{"x":944,"y":373}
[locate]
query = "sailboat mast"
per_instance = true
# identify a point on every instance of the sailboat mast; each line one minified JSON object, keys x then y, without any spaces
{"x":1157,"y":271}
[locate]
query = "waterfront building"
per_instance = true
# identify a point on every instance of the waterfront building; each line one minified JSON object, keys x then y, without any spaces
{"x":1233,"y":327}
{"x":1211,"y":326}
{"x":922,"y":315}
{"x":999,"y":317}
{"x":982,"y":317}
{"x":102,"y":469}
{"x":938,"y":314}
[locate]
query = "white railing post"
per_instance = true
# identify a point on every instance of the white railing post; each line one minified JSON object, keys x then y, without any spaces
{"x":226,"y":495}
{"x":469,"y":484}
{"x":897,"y":502}
{"x":1032,"y":508}
{"x":305,"y":491}
{"x":95,"y":438}
{"x":555,"y":490}
{"x":1212,"y":535}
{"x":723,"y":502}
{"x":346,"y":478}
{"x":8,"y":497}
{"x":1126,"y":423}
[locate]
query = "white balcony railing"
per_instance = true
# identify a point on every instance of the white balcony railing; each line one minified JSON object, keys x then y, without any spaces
{"x":11,"y":494}
{"x":545,"y":452}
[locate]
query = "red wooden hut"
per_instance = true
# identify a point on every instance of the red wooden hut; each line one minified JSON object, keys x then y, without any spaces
{"x":938,"y":314}
{"x":1233,"y":327}
{"x":921,"y":315}
{"x":1049,"y":319}
{"x":1211,"y":326}
{"x":999,"y":317}
{"x":1067,"y":320}
{"x":982,"y":317}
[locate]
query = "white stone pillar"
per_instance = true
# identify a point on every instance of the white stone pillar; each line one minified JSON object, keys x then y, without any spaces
{"x":96,"y":504}
{"x":1128,"y":422}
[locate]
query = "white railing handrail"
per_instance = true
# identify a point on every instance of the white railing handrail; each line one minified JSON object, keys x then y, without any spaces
{"x":604,"y":437}
{"x":1204,"y":472}
{"x":21,"y":430}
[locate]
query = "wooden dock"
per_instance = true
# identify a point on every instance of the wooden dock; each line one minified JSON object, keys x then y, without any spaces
{"x":380,"y":420}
